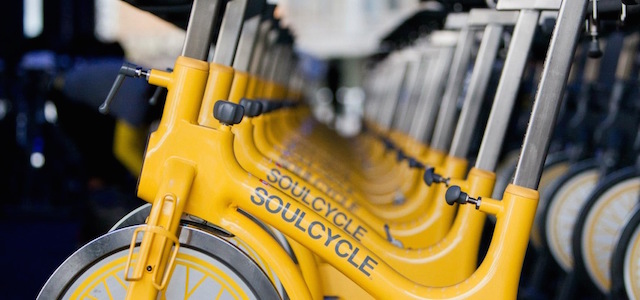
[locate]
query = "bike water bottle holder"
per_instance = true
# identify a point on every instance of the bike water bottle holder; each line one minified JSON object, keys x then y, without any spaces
{"x":138,"y":270}
{"x":143,"y":263}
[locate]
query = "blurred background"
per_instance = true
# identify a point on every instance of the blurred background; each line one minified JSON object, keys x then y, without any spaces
{"x":68,"y":173}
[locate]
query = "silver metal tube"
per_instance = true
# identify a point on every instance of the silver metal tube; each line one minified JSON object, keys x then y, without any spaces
{"x":425,"y":112}
{"x":414,"y":94}
{"x":507,"y":90}
{"x":259,"y":52}
{"x":390,"y":98}
{"x":405,"y":96}
{"x":550,"y":91}
{"x":443,"y":132}
{"x":434,"y":95}
{"x":197,"y":41}
{"x":421,"y":111}
{"x":247,"y":44}
{"x":229,"y":32}
{"x":476,"y":91}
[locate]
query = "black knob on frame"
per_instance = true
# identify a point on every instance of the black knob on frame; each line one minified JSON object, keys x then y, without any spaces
{"x":430,"y":176}
{"x":251,"y":108}
{"x":455,"y":195}
{"x":228,"y":113}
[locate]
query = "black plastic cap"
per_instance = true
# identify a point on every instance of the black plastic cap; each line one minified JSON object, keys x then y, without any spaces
{"x":276,"y":105}
{"x":400,"y":156}
{"x":228,"y":113}
{"x":594,"y":49}
{"x":414,"y":163}
{"x":267,"y":107}
{"x":454,"y":194}
{"x":428,"y":176}
{"x":388,"y":144}
{"x":270,"y":105}
{"x":289,"y":103}
{"x":251,"y":108}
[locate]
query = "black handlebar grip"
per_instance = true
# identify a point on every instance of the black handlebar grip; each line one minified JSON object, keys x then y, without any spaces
{"x":228,"y":113}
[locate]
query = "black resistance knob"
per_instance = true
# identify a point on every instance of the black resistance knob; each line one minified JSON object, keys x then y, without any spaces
{"x":251,"y":108}
{"x":430,"y":176}
{"x":228,"y":113}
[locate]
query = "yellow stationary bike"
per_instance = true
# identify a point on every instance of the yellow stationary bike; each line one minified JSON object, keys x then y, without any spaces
{"x":205,"y":180}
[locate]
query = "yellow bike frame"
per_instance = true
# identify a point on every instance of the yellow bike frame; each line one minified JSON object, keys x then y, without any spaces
{"x":190,"y":167}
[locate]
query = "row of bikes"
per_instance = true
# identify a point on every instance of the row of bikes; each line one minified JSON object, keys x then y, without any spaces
{"x":497,"y":160}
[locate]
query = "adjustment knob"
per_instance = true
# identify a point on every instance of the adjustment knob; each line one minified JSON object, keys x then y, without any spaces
{"x":277,"y":104}
{"x":454,"y":194}
{"x":251,"y":108}
{"x":267,"y":106}
{"x":430,"y":176}
{"x":594,"y":48}
{"x":289,"y":103}
{"x":228,"y":113}
{"x":400,"y":156}
{"x":270,"y":105}
{"x":388,"y":145}
{"x":414,"y":163}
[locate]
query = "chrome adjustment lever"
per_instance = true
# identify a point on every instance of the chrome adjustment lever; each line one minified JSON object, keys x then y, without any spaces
{"x":126,"y":70}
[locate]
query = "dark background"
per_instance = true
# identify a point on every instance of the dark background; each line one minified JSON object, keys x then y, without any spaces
{"x":46,"y":213}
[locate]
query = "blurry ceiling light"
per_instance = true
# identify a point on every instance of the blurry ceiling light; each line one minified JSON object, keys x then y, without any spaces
{"x":32,"y":18}
{"x":106,"y":12}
